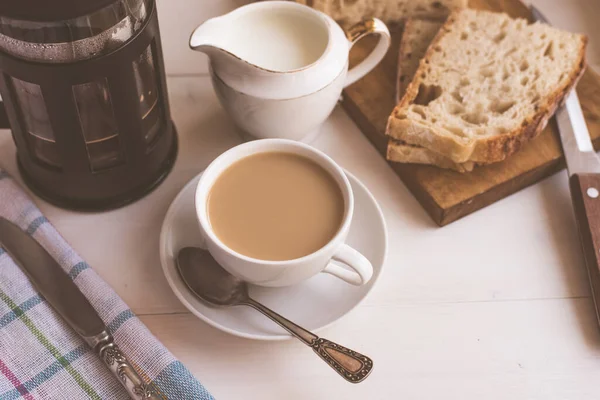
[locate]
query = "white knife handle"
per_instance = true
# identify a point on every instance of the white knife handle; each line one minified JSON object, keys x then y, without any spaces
{"x":585,"y":193}
{"x":104,"y":345}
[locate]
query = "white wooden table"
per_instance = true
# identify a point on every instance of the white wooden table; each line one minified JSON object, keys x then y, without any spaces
{"x":494,"y":306}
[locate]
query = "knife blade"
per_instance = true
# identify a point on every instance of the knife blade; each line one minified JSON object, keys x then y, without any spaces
{"x":50,"y":280}
{"x":64,"y":296}
{"x":583,"y":165}
{"x":575,"y":138}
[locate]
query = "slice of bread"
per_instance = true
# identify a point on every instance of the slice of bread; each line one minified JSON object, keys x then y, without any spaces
{"x":487,"y":84}
{"x":353,"y":11}
{"x":416,"y":38}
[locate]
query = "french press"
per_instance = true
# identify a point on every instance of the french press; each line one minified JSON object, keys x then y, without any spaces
{"x":84,"y":90}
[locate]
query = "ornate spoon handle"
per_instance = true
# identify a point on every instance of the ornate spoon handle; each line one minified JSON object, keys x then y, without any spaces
{"x":122,"y":369}
{"x":352,"y":366}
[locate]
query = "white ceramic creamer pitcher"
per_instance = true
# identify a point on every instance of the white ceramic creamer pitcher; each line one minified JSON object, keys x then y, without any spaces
{"x":279,"y":67}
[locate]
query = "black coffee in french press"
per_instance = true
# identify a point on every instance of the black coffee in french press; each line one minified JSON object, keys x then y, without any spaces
{"x":84,"y":89}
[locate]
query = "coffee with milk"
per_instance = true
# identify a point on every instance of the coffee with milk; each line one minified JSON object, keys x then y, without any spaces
{"x":275,"y":206}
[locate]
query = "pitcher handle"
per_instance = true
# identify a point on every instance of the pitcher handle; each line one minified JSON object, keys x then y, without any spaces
{"x":357,"y":32}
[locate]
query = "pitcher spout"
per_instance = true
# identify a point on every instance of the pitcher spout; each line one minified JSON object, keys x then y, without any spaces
{"x":213,"y":39}
{"x":205,"y":38}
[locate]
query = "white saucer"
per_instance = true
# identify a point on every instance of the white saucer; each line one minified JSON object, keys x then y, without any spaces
{"x":313,"y":304}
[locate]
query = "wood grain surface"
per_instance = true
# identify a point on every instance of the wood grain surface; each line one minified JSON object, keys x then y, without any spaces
{"x":448,"y":195}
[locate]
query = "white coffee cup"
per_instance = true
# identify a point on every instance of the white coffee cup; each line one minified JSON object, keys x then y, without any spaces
{"x":288,"y":272}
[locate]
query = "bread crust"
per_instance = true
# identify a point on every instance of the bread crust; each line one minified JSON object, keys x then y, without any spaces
{"x":407,"y":51}
{"x":404,"y":49}
{"x":398,"y":151}
{"x":489,"y":149}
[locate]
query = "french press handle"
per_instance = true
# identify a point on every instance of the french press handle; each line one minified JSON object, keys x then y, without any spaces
{"x":3,"y":117}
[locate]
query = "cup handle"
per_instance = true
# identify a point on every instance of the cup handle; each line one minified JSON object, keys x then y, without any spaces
{"x":357,"y":32}
{"x":363,"y":270}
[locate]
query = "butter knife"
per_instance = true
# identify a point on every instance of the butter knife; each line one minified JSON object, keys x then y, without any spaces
{"x":63,"y":295}
{"x":583,"y":165}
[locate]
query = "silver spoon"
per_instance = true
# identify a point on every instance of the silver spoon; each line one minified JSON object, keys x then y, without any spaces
{"x":211,"y":283}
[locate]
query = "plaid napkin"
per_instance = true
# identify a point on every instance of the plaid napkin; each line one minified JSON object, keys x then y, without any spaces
{"x":41,"y":357}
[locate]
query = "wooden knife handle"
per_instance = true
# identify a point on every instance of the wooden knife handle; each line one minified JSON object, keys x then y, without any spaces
{"x":585,"y":192}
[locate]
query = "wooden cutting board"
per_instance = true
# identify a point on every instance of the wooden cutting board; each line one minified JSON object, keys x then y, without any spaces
{"x":448,"y":195}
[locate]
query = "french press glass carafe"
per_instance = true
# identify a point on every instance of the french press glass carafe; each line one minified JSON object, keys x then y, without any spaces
{"x":84,"y":89}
